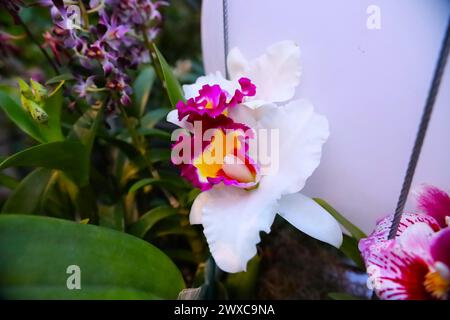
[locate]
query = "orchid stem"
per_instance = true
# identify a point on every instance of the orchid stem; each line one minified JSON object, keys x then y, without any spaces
{"x":137,"y":142}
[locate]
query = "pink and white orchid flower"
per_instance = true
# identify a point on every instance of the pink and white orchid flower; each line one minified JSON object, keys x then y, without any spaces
{"x":416,"y":264}
{"x":239,"y":197}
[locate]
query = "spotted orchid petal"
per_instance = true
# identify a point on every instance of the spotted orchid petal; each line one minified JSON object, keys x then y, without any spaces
{"x":307,"y":216}
{"x":276,"y":73}
{"x":379,"y":236}
{"x":435,"y":203}
{"x":398,"y":270}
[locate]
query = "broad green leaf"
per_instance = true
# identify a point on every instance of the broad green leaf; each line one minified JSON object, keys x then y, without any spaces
{"x":59,"y":78}
{"x":37,"y":251}
{"x":67,"y":156}
{"x":342,"y":296}
{"x":152,"y":117}
{"x":142,"y":87}
{"x":350,"y":248}
{"x":242,"y":285}
{"x":171,"y":83}
{"x":148,"y":220}
{"x":17,"y":114}
{"x":350,"y":227}
{"x":27,"y":196}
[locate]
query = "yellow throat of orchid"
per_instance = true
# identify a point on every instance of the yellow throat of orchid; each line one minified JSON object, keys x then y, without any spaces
{"x":437,"y":281}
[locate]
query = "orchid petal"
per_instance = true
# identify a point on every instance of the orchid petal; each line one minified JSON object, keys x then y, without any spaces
{"x":195,"y":216}
{"x":302,"y":133}
{"x":232,"y":219}
{"x":276,"y":73}
{"x":192,"y":90}
{"x":172,"y":117}
{"x":307,"y":216}
{"x":398,"y":268}
{"x":417,"y":239}
{"x":380,"y":235}
{"x":435,"y":203}
{"x":440,"y":247}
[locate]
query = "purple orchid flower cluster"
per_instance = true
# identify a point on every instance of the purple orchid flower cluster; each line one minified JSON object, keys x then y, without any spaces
{"x":106,"y":33}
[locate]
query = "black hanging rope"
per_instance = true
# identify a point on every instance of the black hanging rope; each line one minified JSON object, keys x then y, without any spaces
{"x":425,"y":120}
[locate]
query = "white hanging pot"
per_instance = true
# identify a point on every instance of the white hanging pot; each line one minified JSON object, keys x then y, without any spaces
{"x":367,"y":67}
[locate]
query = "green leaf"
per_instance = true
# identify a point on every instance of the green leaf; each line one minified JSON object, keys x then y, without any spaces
{"x":151,"y":118}
{"x":52,"y":130}
{"x":159,"y":154}
{"x":67,"y":156}
{"x":151,"y":132}
{"x":27,"y":197}
{"x":37,"y":251}
{"x":141,"y":183}
{"x":20,"y":117}
{"x":8,"y":182}
{"x":350,"y":248}
{"x":48,"y":132}
{"x":148,"y":220}
{"x":350,"y":227}
{"x":342,"y":296}
{"x":165,"y":182}
{"x":242,"y":285}
{"x":85,"y":129}
{"x":142,"y":87}
{"x":59,"y":78}
{"x":171,"y":83}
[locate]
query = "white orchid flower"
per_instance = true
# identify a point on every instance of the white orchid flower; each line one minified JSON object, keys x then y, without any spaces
{"x":240,"y":199}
